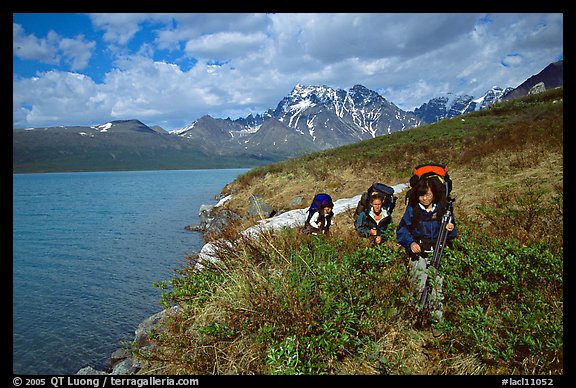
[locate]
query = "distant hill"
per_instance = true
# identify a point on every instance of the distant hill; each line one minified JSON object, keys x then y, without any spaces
{"x":552,"y":76}
{"x":118,"y":145}
{"x":159,"y":129}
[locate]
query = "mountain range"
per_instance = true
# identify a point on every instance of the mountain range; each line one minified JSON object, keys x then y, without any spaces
{"x":453,"y":105}
{"x":309,"y":119}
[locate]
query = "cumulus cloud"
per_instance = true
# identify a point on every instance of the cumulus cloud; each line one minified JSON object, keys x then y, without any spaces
{"x":50,"y":50}
{"x":59,"y":97}
{"x":32,"y":48}
{"x":170,"y":69}
{"x":225,"y":45}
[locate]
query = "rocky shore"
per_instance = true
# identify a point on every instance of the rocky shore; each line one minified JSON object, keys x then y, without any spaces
{"x":214,"y":219}
{"x":121,"y":361}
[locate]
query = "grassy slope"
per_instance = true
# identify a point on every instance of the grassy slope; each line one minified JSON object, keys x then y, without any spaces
{"x":289,"y":304}
{"x":485,"y":151}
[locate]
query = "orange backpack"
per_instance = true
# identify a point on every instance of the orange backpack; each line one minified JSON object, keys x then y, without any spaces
{"x":431,"y":170}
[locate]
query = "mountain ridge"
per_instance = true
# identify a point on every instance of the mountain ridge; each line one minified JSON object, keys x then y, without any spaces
{"x":552,"y":76}
{"x":309,"y":119}
{"x":319,"y":116}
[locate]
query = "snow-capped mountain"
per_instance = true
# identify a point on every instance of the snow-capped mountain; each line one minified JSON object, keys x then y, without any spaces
{"x":365,"y":113}
{"x":452,"y":105}
{"x":492,"y":96}
{"x":310,"y":118}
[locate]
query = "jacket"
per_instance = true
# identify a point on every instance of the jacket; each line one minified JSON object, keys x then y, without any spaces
{"x":427,"y":228}
{"x":326,"y":221}
{"x":366,"y":221}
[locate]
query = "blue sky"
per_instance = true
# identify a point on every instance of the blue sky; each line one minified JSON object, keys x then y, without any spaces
{"x":171,"y":69}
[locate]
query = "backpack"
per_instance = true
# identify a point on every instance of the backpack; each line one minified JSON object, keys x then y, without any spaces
{"x":385,"y":191}
{"x":319,"y":202}
{"x":431,"y":170}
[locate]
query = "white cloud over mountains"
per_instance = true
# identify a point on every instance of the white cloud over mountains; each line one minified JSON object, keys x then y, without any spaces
{"x":171,"y":69}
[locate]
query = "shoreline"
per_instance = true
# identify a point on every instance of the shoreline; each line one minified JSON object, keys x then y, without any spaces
{"x":121,"y":361}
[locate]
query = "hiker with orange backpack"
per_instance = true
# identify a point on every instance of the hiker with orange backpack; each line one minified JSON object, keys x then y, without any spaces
{"x":429,"y":209}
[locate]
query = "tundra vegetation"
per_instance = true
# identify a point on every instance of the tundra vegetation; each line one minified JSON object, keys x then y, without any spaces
{"x":286,"y":303}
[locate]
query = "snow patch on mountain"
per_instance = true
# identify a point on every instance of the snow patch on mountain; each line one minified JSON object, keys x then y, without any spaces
{"x":244,"y":132}
{"x":103,"y":127}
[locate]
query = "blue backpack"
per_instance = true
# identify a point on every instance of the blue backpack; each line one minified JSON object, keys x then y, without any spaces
{"x":319,"y":202}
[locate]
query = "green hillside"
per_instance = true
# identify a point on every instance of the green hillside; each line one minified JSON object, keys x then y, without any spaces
{"x":292,"y":304}
{"x":132,"y":148}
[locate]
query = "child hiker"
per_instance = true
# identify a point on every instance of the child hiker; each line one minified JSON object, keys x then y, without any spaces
{"x":321,"y":220}
{"x":417,"y":232}
{"x":374,"y":221}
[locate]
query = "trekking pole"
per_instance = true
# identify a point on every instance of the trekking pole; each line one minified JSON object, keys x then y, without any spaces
{"x":438,"y":252}
{"x":442,"y":236}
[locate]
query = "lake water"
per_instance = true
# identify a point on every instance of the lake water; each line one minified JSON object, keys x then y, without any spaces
{"x":87,"y":249}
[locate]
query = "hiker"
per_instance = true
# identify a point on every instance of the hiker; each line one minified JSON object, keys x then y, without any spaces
{"x":373,"y":221}
{"x":322,"y":219}
{"x":320,"y":216}
{"x":417,"y":232}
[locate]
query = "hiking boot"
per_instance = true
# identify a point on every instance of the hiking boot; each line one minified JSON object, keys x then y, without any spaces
{"x":434,"y":328}
{"x":436,"y":332}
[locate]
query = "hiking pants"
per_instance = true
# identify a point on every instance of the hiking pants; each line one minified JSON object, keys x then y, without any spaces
{"x":420,"y":270}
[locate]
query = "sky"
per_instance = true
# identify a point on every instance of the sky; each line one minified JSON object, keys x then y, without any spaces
{"x":171,"y":69}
